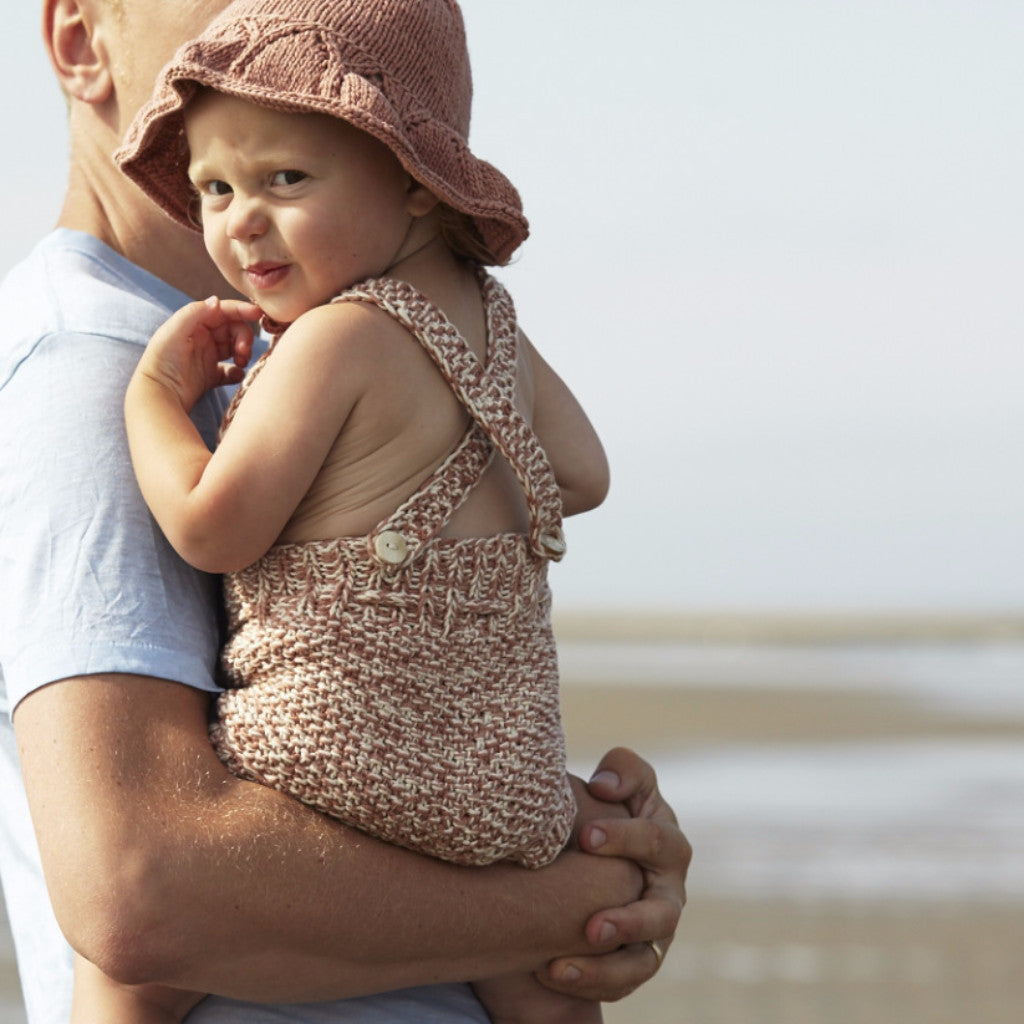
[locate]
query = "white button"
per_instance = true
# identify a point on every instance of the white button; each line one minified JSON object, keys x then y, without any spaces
{"x":391,"y":547}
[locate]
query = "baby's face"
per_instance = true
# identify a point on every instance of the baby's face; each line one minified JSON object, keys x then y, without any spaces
{"x":294,"y":207}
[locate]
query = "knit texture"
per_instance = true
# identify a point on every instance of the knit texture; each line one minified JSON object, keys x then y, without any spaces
{"x":397,"y":69}
{"x":404,"y":682}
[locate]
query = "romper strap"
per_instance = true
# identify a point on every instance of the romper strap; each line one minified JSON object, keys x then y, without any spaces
{"x":487,"y":392}
{"x":398,"y":539}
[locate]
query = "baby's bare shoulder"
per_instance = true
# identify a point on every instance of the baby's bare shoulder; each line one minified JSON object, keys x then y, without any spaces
{"x":352,"y":336}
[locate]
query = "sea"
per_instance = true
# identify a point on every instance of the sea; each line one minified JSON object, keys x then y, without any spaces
{"x":928,"y":817}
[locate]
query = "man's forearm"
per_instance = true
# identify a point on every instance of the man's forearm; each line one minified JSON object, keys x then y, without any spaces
{"x":164,"y":867}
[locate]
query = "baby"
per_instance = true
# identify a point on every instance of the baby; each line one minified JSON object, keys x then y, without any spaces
{"x":392,"y":474}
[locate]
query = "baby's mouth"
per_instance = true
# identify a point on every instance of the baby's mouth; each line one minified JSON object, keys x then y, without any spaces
{"x":264,"y":275}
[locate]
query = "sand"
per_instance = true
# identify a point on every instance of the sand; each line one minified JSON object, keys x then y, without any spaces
{"x":748,"y":962}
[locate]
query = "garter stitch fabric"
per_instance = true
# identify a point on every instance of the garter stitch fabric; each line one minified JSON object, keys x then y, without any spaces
{"x":404,"y":682}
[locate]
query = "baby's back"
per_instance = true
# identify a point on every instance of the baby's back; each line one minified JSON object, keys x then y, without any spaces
{"x":405,"y":423}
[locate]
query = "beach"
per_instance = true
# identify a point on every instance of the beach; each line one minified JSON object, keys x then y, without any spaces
{"x":855,"y":798}
{"x":854,"y":792}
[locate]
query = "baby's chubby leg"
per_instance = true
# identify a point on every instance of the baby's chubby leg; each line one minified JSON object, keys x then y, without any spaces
{"x":521,"y":999}
{"x":101,"y":1000}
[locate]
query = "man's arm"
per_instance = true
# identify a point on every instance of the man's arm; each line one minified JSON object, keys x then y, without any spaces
{"x":162,"y":866}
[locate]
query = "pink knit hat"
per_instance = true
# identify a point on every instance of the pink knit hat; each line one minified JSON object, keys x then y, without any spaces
{"x":397,"y":69}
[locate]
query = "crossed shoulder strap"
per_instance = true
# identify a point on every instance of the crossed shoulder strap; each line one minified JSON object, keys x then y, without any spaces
{"x":487,"y":391}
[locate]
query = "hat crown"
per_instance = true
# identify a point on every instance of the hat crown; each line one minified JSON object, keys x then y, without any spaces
{"x":413,"y":51}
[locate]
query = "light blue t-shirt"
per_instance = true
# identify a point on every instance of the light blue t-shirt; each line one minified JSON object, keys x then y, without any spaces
{"x":88,"y":584}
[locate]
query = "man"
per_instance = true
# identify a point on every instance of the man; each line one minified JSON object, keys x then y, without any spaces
{"x":160,"y":865}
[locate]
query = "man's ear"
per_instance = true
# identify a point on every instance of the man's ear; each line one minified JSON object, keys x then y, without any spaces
{"x":77,"y":52}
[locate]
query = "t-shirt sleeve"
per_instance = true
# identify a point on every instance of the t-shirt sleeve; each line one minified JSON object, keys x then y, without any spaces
{"x":90,"y":585}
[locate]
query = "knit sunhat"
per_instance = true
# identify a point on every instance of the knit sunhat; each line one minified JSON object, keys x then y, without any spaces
{"x":396,"y":69}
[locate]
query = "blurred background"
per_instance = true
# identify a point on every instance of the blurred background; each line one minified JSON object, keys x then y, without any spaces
{"x":777,"y":253}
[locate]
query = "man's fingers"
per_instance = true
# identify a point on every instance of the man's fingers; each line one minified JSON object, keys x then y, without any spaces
{"x":624,"y":777}
{"x":656,"y":845}
{"x":607,"y":978}
{"x":656,"y":916}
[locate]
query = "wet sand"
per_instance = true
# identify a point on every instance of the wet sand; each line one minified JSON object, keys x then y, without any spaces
{"x":828,"y":962}
{"x":821,"y":960}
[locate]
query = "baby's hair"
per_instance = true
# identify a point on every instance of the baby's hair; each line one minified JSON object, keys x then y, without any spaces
{"x":461,"y":235}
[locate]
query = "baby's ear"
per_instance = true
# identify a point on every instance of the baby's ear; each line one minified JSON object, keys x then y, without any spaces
{"x":420,"y":199}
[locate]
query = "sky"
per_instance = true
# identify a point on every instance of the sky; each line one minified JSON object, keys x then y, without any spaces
{"x":777,"y":252}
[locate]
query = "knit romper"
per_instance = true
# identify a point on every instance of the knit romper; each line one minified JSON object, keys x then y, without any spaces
{"x":405,"y":682}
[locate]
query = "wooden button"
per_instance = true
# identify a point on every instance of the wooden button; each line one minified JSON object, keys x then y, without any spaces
{"x":391,"y":547}
{"x":553,"y":543}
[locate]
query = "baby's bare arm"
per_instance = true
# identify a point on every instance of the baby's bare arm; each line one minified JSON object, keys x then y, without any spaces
{"x":568,"y":437}
{"x":99,"y":998}
{"x":223,"y":510}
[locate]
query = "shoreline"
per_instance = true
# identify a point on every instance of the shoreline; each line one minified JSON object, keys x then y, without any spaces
{"x":655,"y":719}
{"x":740,"y":626}
{"x":818,"y":958}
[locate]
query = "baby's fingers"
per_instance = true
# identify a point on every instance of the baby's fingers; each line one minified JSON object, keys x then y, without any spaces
{"x":215,"y":311}
{"x":229,"y":323}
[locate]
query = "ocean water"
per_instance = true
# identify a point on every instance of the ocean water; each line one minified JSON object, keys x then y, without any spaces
{"x":924,"y":818}
{"x":914,"y":820}
{"x":978,"y":678}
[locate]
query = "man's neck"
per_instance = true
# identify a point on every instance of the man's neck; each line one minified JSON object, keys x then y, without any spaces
{"x":102,"y":203}
{"x":151,"y":241}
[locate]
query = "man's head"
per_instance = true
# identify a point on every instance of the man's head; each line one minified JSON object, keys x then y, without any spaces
{"x":106,"y":55}
{"x":108,"y":52}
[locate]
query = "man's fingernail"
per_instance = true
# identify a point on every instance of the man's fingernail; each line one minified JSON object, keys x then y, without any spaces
{"x":571,"y":973}
{"x":596,"y":838}
{"x":606,"y":778}
{"x":607,"y":932}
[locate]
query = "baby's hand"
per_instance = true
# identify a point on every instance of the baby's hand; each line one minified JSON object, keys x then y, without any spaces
{"x":521,"y":999}
{"x":203,"y":345}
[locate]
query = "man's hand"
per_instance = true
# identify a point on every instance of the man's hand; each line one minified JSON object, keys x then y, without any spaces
{"x":652,"y":839}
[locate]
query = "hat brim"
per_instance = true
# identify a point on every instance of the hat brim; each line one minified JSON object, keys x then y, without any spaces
{"x":154,"y":153}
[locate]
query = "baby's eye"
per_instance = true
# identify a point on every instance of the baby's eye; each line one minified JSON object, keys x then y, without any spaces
{"x":287,"y":177}
{"x":215,"y":187}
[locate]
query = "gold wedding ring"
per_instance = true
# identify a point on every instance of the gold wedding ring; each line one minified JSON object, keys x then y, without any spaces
{"x":659,"y":955}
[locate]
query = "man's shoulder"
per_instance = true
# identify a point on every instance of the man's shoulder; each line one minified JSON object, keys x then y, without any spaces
{"x":74,"y":284}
